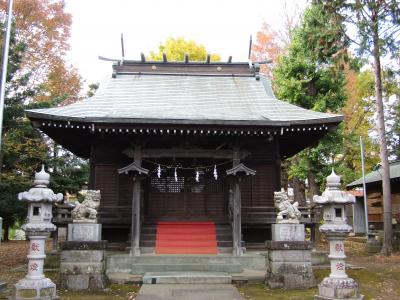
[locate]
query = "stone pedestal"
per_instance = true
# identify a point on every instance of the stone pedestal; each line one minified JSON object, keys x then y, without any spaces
{"x":289,"y":258}
{"x":84,"y":232}
{"x":289,"y":265}
{"x":333,"y":289}
{"x":83,"y":265}
{"x":62,"y":234}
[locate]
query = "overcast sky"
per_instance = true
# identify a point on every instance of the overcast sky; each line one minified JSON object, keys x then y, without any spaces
{"x":223,"y":26}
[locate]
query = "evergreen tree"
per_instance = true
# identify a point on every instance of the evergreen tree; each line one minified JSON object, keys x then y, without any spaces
{"x":311,"y":75}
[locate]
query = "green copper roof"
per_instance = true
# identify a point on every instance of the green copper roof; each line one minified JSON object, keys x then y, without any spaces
{"x":185,"y":99}
{"x":376,"y":176}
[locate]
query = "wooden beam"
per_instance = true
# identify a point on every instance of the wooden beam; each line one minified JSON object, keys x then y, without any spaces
{"x":164,"y":56}
{"x":240,"y":169}
{"x":187,"y":153}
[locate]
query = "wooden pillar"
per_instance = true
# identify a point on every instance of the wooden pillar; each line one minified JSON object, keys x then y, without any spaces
{"x":236,"y":224}
{"x":135,"y":226}
{"x":138,"y":176}
{"x":236,"y":173}
{"x":237,"y":219}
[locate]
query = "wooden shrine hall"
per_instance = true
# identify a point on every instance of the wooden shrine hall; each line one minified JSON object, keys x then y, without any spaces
{"x":186,"y":154}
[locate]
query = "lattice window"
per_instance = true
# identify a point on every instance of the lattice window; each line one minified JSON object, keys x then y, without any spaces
{"x":167,"y":184}
{"x":188,"y":184}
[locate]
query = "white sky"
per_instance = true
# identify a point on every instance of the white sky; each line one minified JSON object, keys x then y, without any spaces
{"x":223,"y":26}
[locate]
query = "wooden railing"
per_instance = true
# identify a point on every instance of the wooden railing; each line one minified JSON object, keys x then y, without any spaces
{"x":115,"y":214}
{"x":267,"y":215}
{"x":250,"y":215}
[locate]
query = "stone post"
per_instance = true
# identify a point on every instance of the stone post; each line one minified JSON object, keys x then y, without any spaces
{"x":38,"y":227}
{"x":338,"y":285}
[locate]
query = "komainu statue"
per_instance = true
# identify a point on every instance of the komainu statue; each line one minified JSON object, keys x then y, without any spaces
{"x":288,"y":211}
{"x":87,"y":210}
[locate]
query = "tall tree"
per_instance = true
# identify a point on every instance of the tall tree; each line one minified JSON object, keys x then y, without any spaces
{"x":176,"y":48}
{"x":22,"y":147}
{"x":358,"y":121}
{"x":44,"y":28}
{"x":38,"y":76}
{"x":377,"y":23}
{"x":311,"y":75}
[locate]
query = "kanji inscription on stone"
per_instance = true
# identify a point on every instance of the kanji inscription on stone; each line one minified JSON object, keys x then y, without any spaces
{"x":35,"y":247}
{"x":339,"y":247}
{"x":34,"y":267}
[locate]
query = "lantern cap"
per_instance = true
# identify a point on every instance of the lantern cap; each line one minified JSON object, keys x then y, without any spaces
{"x":333,"y":180}
{"x":41,"y":178}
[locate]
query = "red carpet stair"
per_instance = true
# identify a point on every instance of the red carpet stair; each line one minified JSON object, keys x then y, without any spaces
{"x":186,"y":238}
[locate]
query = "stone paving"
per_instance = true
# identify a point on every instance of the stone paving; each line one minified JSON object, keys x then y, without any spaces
{"x":188,"y":291}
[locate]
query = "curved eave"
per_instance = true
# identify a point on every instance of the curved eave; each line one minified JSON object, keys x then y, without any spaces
{"x":104,"y":121}
{"x":77,"y":136}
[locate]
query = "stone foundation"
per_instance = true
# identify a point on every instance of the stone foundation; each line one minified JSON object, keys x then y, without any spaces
{"x":289,"y":265}
{"x":83,"y":265}
{"x":340,"y":288}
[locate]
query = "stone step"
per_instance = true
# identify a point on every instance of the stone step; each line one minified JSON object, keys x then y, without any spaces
{"x":152,"y":237}
{"x":187,"y":278}
{"x":123,"y":263}
{"x":149,"y":243}
{"x":189,"y":258}
{"x":217,"y":226}
{"x":142,"y":268}
{"x":150,"y":249}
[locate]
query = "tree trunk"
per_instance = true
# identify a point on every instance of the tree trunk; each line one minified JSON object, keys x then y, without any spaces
{"x":313,"y":188}
{"x":6,"y":232}
{"x":299,"y":191}
{"x":55,"y":154}
{"x":385,"y":173}
{"x":284,"y":174}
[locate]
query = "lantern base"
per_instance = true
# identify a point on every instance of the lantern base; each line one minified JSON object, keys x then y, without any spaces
{"x":335,"y":288}
{"x":29,"y":289}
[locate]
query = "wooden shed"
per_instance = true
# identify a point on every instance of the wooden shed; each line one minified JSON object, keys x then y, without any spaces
{"x":373,"y":182}
{"x":188,"y":142}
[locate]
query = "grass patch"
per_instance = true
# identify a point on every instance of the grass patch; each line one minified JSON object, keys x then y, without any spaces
{"x":383,"y":283}
{"x":115,"y":291}
{"x":261,"y":292}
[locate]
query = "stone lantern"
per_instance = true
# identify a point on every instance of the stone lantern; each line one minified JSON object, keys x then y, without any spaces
{"x":37,"y":227}
{"x":338,"y":285}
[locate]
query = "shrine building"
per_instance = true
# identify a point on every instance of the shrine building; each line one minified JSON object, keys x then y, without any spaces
{"x":194,"y":146}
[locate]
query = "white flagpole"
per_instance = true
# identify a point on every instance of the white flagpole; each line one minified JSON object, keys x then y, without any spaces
{"x":6,"y":46}
{"x":364,"y":185}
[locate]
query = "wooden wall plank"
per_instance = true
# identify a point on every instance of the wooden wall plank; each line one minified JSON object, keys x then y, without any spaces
{"x":106,"y":180}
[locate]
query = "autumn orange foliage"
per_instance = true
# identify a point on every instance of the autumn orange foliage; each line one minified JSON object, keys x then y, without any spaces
{"x":266,"y":47}
{"x":44,"y":27}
